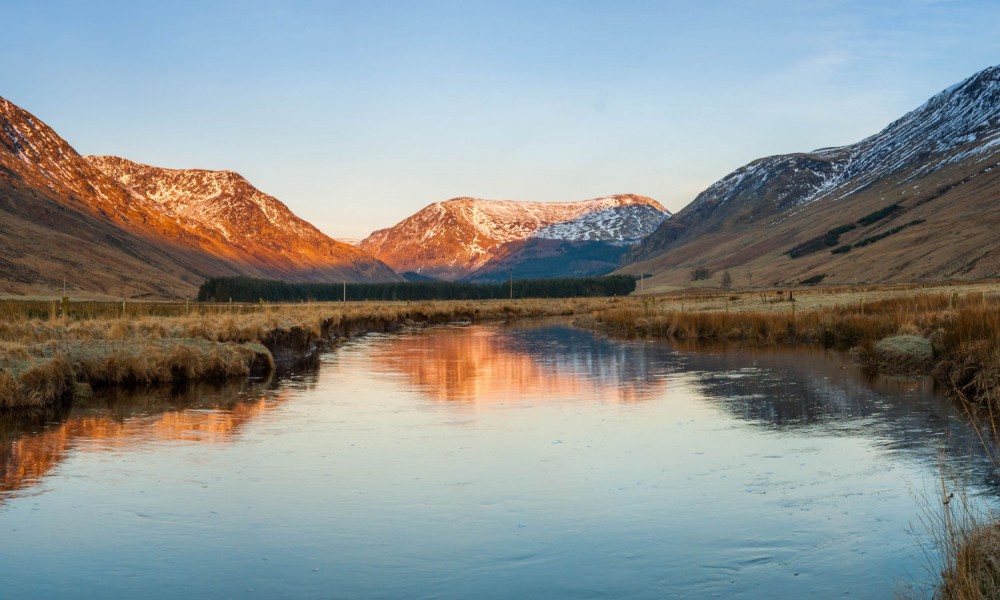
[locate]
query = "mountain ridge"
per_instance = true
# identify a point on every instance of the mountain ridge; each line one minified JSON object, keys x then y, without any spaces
{"x":454,"y":238}
{"x":782,"y":200}
{"x":253,"y":227}
{"x":934,"y":173}
{"x":48,"y":190}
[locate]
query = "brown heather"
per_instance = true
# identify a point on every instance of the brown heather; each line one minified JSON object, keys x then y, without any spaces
{"x":972,"y":552}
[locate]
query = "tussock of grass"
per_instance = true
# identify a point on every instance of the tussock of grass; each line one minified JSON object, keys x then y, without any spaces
{"x":37,"y":383}
{"x":974,"y":569}
{"x":173,"y":360}
{"x":904,"y":353}
{"x":963,"y":552}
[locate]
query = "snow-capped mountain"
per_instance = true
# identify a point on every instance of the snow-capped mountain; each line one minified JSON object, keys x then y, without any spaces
{"x":61,"y":219}
{"x":957,"y":124}
{"x":36,"y":156}
{"x":65,"y":218}
{"x":251,"y":226}
{"x":452,"y":239}
{"x":951,"y":139}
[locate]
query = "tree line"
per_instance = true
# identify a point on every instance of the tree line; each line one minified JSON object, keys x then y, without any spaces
{"x":247,"y":289}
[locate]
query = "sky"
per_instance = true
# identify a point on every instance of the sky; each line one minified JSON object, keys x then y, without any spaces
{"x":358,"y":114}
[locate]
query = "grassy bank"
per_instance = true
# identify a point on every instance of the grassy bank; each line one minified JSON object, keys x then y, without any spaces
{"x":954,"y":336}
{"x":46,"y":360}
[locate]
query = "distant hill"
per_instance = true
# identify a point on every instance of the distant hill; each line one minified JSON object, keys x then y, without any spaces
{"x":540,"y":258}
{"x":416,"y":277}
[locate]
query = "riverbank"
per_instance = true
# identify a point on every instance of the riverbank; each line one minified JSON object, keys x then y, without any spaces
{"x":949,"y":332}
{"x":45,"y":361}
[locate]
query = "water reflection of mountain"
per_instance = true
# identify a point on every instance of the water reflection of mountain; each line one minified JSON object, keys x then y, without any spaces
{"x":807,"y":386}
{"x":30,"y":448}
{"x":540,"y":360}
{"x":818,"y":392}
{"x":801,"y":390}
{"x":783,"y":387}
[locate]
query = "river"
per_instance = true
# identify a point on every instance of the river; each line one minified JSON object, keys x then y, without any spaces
{"x":490,"y":461}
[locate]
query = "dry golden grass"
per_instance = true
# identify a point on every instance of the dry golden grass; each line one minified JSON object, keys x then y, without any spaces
{"x":963,"y":328}
{"x":38,"y":384}
{"x":963,"y":550}
{"x":972,"y":563}
{"x":42,"y":354}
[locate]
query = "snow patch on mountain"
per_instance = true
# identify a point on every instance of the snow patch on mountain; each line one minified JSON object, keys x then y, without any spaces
{"x":502,"y":221}
{"x":454,"y":238}
{"x":222,"y":201}
{"x":240,"y":220}
{"x":621,"y":224}
{"x":35,"y":151}
{"x":958,"y":124}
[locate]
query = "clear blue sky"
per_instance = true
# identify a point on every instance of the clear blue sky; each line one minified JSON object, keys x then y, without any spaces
{"x":357,"y":114}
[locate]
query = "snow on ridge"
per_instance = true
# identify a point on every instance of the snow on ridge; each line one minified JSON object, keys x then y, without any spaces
{"x":221,"y":201}
{"x":219,"y":213}
{"x":959,"y":123}
{"x":956,"y":117}
{"x":500,"y":221}
{"x":460,"y":235}
{"x":627,"y":224}
{"x":48,"y":160}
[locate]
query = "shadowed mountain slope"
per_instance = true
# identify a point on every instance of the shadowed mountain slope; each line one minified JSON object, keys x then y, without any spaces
{"x":778,"y":218}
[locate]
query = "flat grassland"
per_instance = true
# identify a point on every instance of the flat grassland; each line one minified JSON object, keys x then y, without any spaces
{"x":50,"y":351}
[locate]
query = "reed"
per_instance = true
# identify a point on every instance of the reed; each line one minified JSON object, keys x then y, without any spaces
{"x":831,"y":327}
{"x":963,"y":551}
{"x":973,"y":572}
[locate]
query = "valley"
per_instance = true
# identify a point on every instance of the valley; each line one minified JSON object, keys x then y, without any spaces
{"x":497,"y":397}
